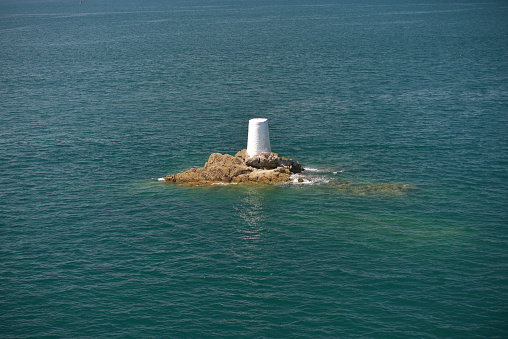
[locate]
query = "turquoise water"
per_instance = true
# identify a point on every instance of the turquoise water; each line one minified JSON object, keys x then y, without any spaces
{"x":99,"y":100}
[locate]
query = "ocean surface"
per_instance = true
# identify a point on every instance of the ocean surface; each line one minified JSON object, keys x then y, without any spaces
{"x":398,"y":110}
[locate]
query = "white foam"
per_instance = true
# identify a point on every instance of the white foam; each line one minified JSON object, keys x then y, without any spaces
{"x":309,"y":180}
{"x":305,"y":181}
{"x":321,"y":180}
{"x":160,"y":179}
{"x":297,"y":179}
{"x":321,"y":170}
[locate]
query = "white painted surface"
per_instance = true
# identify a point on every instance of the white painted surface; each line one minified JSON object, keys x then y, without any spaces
{"x":258,"y":139}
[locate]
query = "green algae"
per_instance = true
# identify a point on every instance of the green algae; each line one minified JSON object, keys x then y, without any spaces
{"x":371,"y":189}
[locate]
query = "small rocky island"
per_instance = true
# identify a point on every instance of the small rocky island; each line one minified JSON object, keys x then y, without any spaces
{"x":263,"y":168}
{"x":259,"y":165}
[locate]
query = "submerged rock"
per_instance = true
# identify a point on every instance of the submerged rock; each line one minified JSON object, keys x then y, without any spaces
{"x":371,"y":189}
{"x":266,"y":168}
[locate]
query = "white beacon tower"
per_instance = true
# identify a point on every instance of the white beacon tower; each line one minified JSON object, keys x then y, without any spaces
{"x":258,"y":140}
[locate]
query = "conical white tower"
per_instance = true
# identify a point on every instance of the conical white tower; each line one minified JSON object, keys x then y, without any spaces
{"x":258,"y":140}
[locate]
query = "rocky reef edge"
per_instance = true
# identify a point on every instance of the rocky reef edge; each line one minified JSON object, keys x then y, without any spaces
{"x":265,"y":168}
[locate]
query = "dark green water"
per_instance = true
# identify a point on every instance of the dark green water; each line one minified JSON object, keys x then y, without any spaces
{"x":99,"y":100}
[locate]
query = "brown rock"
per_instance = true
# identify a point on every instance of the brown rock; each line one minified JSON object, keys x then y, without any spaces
{"x":293,"y":166}
{"x":267,"y":168}
{"x":263,"y":160}
{"x":224,"y":167}
{"x":170,"y":178}
{"x":242,"y":154}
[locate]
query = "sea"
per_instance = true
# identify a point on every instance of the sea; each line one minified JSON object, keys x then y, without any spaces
{"x":398,"y":110}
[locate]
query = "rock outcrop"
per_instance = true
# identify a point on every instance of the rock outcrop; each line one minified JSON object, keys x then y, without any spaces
{"x":266,"y":168}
